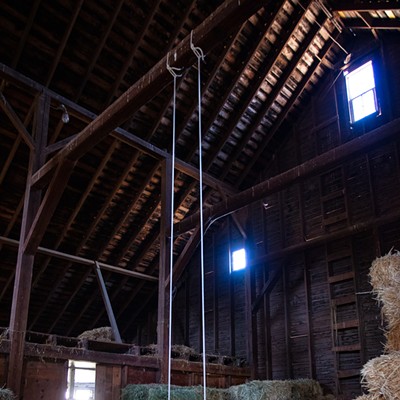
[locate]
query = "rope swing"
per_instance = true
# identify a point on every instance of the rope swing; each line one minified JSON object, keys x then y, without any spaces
{"x":175,"y":73}
{"x":200,"y":57}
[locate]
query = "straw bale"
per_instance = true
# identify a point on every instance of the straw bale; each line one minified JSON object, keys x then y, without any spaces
{"x":368,"y":397}
{"x":6,"y":394}
{"x":160,"y":392}
{"x":393,"y":338}
{"x":277,"y":390}
{"x":183,"y":350}
{"x":385,"y":280}
{"x":381,"y":376}
{"x":103,"y":334}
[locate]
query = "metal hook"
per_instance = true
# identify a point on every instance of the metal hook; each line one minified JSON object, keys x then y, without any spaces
{"x":196,"y":50}
{"x":174,"y":71}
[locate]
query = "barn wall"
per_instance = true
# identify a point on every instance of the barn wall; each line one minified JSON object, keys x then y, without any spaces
{"x":45,"y":380}
{"x":3,"y":370}
{"x":316,"y":239}
{"x":324,"y":322}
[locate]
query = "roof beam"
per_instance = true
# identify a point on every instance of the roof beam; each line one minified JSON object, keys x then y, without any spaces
{"x":215,"y":28}
{"x":371,"y":23}
{"x":120,"y":134}
{"x":293,"y":175}
{"x":363,"y":5}
{"x":18,"y":124}
{"x":83,"y":261}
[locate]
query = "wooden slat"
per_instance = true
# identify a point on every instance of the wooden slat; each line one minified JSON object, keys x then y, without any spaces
{"x":351,"y":298}
{"x":339,"y":255}
{"x":342,"y":277}
{"x":348,"y":373}
{"x":352,"y":347}
{"x":354,"y":323}
{"x":335,"y":218}
{"x":333,"y":195}
{"x":363,"y":5}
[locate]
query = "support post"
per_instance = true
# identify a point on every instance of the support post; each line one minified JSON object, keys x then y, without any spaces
{"x":107,"y":303}
{"x":163,"y":289}
{"x":251,"y":320}
{"x":25,"y":260}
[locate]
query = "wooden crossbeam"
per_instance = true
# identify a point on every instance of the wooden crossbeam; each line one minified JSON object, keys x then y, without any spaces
{"x":18,"y":124}
{"x":293,"y":175}
{"x":364,"y":5}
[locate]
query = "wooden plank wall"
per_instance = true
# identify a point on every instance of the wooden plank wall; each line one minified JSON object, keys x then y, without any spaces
{"x":45,"y":380}
{"x":110,"y":379}
{"x":3,"y":370}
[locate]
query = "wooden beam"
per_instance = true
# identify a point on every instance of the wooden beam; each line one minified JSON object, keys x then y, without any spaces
{"x":83,"y":261}
{"x":25,"y":260}
{"x":48,"y":206}
{"x":18,"y":124}
{"x":107,"y":303}
{"x":121,"y":134}
{"x":215,"y":28}
{"x":211,"y":31}
{"x":185,"y":255}
{"x":268,"y":286}
{"x":364,"y":5}
{"x":293,"y":175}
{"x":164,"y":260}
{"x":251,"y":321}
{"x":371,"y":23}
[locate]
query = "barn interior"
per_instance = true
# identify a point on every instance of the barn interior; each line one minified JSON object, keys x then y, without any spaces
{"x":269,"y":221}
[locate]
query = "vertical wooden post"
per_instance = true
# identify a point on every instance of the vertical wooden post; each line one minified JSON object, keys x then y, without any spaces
{"x":215,"y":296}
{"x":251,"y":321}
{"x":24,"y":267}
{"x":163,"y":290}
{"x":232,"y":332}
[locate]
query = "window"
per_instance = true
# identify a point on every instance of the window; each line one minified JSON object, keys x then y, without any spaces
{"x":238,"y":260}
{"x":81,"y":380}
{"x":361,"y":92}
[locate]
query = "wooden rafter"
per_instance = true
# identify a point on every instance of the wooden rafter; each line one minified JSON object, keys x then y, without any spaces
{"x":296,"y":174}
{"x":18,"y":124}
{"x":138,"y":94}
{"x":364,"y":5}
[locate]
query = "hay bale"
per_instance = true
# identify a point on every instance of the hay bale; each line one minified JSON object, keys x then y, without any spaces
{"x":385,"y":280}
{"x":160,"y":392}
{"x":103,"y":334}
{"x":367,"y":397}
{"x":6,"y":394}
{"x":277,"y":390}
{"x":181,"y":351}
{"x":381,"y":376}
{"x":393,"y":338}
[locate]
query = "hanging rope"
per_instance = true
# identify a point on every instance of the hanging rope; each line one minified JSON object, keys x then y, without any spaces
{"x":175,"y":73}
{"x":200,"y":57}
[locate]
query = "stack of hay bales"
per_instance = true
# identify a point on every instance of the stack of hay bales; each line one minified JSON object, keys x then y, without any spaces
{"x":278,"y":390}
{"x":301,"y":389}
{"x":381,"y":375}
{"x":103,"y":334}
{"x":6,"y":394}
{"x":160,"y":392}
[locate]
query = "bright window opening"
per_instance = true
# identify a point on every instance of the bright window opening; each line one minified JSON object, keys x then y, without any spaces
{"x":238,"y":260}
{"x":81,"y":380}
{"x":361,"y":92}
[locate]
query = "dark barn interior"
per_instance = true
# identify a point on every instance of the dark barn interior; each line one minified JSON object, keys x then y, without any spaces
{"x":294,"y":169}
